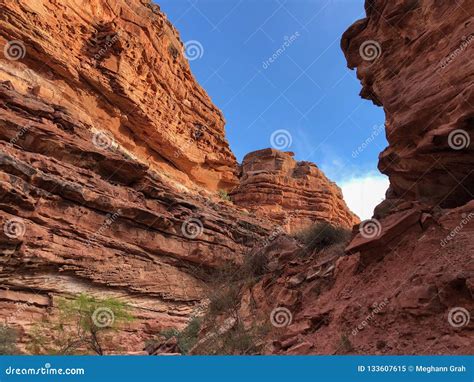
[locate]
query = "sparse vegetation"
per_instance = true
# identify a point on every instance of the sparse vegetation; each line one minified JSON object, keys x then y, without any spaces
{"x":255,"y":265}
{"x":186,"y":338}
{"x":224,"y":195}
{"x":224,"y":299}
{"x":239,"y":340}
{"x":173,"y":51}
{"x":236,"y":341}
{"x":322,"y":235}
{"x":345,"y":344}
{"x":80,"y":326}
{"x":8,"y":338}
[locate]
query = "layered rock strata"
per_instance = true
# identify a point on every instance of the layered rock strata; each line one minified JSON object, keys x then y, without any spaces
{"x":106,"y":143}
{"x":119,"y":69}
{"x":414,"y":58}
{"x":294,"y":194}
{"x":76,"y":219}
{"x":405,"y":282}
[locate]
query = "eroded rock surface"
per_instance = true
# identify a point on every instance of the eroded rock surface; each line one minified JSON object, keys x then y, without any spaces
{"x":119,"y":67}
{"x":294,"y":194}
{"x":81,"y":219}
{"x":405,"y":282}
{"x":108,"y":151}
{"x":414,"y":58}
{"x":110,"y":158}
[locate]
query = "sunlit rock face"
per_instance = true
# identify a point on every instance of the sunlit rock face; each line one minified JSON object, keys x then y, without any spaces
{"x":110,"y":153}
{"x":110,"y":158}
{"x":414,"y":58}
{"x":295,"y":194}
{"x":120,"y":69}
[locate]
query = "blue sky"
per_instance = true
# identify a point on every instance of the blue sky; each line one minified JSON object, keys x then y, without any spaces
{"x":304,"y":97}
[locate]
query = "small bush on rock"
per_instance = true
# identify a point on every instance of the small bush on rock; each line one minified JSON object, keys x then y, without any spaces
{"x":186,"y":338}
{"x":322,"y":235}
{"x":224,"y":195}
{"x":8,"y":338}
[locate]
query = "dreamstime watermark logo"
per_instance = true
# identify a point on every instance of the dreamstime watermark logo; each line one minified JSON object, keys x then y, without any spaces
{"x":459,"y":139}
{"x":370,"y":228}
{"x":466,"y":218}
{"x":458,"y":317}
{"x":45,"y":370}
{"x":14,"y":50}
{"x":281,"y":317}
{"x":370,"y":50}
{"x":288,"y":41}
{"x":466,"y":41}
{"x":281,"y":139}
{"x":20,"y":308}
{"x":14,"y":228}
{"x":376,"y":309}
{"x":103,"y":317}
{"x":17,"y":137}
{"x":106,"y":45}
{"x":192,"y":228}
{"x":376,"y":130}
{"x":193,"y":50}
{"x":103,"y":141}
{"x":109,"y":220}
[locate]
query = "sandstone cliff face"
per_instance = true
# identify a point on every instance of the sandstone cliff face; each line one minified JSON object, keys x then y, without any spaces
{"x":108,"y":149}
{"x":101,"y":122}
{"x":120,"y":69}
{"x":414,"y":58}
{"x":79,"y":219}
{"x":110,"y":153}
{"x":294,"y":194}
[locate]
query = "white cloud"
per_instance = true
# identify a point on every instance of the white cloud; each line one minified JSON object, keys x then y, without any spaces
{"x":363,"y":193}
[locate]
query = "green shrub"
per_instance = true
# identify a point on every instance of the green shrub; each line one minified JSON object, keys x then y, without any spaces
{"x":224,"y":195}
{"x":345,"y":344}
{"x":236,"y":341}
{"x":186,"y":338}
{"x":322,"y":235}
{"x":8,"y":338}
{"x":169,"y":333}
{"x":223,"y":299}
{"x":79,"y":325}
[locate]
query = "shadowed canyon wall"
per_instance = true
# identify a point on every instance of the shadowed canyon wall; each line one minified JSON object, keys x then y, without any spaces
{"x":414,"y":58}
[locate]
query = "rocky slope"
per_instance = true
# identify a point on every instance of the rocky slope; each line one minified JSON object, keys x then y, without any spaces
{"x":111,"y":153}
{"x":110,"y":156}
{"x":294,"y":194}
{"x":411,"y":295}
{"x":405,"y":282}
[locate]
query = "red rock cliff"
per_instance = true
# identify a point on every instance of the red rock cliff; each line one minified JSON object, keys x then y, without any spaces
{"x":101,"y":122}
{"x":414,"y":58}
{"x":119,"y":68}
{"x":405,"y":284}
{"x":295,"y":194}
{"x":110,"y":153}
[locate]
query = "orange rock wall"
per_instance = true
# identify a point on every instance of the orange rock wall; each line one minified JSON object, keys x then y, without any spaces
{"x":294,"y":194}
